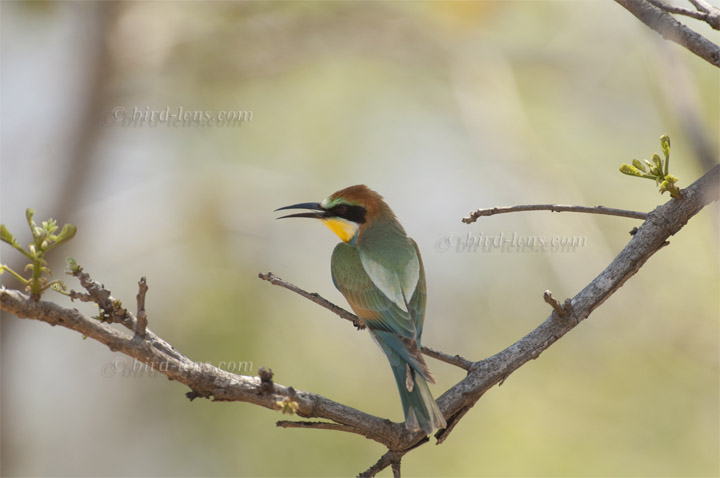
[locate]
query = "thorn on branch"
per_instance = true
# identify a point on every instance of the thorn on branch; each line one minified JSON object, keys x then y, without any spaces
{"x":195,"y":394}
{"x":266,"y":382}
{"x":561,"y":310}
{"x":142,"y":321}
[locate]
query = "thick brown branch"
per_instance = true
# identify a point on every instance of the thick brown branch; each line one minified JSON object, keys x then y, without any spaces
{"x":670,"y":29}
{"x":607,"y":211}
{"x":663,"y":222}
{"x":204,"y":379}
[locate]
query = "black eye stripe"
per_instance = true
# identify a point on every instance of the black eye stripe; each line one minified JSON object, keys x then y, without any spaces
{"x":351,"y":213}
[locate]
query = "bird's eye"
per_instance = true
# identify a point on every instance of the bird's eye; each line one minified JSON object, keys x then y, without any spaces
{"x":341,"y":210}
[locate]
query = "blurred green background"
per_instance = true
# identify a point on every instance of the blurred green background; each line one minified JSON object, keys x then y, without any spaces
{"x":442,"y":107}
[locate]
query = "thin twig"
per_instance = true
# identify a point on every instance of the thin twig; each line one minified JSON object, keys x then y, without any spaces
{"x":313,"y":296}
{"x":395,"y":465}
{"x":452,"y":421}
{"x":680,"y":10}
{"x":111,"y":308}
{"x":315,"y":425}
{"x":702,"y":5}
{"x":670,"y":29}
{"x":142,"y":321}
{"x":389,"y":458}
{"x":456,"y":360}
{"x":607,"y":211}
{"x":386,"y":460}
{"x":81,"y":296}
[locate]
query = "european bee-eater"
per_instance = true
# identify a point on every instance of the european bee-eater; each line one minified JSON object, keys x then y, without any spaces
{"x":378,"y":269}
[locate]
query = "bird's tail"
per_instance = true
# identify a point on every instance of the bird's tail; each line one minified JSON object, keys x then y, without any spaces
{"x":411,"y":375}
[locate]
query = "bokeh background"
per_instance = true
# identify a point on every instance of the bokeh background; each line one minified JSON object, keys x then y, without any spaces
{"x":442,"y":107}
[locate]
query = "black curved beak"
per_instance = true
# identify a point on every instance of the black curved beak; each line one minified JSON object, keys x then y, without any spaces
{"x":315,"y":206}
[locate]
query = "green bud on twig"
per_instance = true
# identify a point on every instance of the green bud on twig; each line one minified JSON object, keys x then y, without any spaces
{"x":665,"y":145}
{"x":656,"y":169}
{"x":630,"y":170}
{"x":5,"y":236}
{"x":639,"y":165}
{"x":44,"y":240}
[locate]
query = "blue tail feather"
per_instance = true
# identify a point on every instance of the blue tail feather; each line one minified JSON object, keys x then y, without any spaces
{"x":421,"y":410}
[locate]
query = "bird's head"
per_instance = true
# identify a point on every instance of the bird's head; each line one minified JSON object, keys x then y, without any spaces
{"x":345,"y":212}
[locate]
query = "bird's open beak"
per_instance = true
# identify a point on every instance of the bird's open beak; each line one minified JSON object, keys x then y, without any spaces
{"x":315,"y":206}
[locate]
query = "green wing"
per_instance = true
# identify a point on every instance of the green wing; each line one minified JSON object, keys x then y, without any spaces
{"x":416,"y":306}
{"x":368,"y":301}
{"x":396,"y":330}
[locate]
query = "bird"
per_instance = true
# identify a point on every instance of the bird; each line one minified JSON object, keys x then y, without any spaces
{"x":379,"y":271}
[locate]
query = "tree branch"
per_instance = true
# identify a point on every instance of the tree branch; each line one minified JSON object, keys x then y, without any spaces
{"x":391,"y":458}
{"x":606,"y":211}
{"x":697,"y":15}
{"x":203,"y":379}
{"x":456,"y":360}
{"x":142,"y":321}
{"x":663,"y":222}
{"x":670,"y":29}
{"x":208,"y":381}
{"x":314,"y":297}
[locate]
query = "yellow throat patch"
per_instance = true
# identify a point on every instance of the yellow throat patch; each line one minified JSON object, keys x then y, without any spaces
{"x":344,"y":229}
